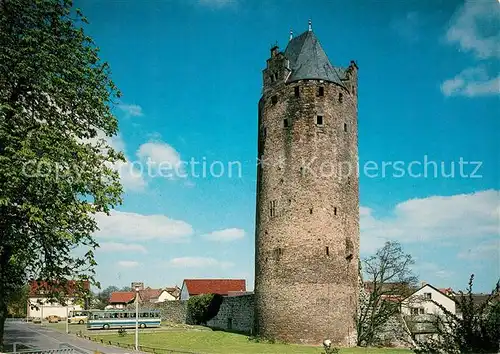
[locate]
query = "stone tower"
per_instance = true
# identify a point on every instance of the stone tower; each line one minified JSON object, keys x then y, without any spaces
{"x":307,"y":219}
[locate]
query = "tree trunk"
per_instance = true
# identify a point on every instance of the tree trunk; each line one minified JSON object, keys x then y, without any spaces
{"x":3,"y":317}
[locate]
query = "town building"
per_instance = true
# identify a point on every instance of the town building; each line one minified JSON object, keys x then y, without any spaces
{"x":225,"y":287}
{"x":41,"y":304}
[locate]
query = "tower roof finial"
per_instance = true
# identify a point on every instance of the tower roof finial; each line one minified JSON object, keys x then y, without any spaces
{"x":310,"y":25}
{"x":291,"y":34}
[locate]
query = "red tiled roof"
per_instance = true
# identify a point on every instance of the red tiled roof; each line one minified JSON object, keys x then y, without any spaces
{"x":39,"y":288}
{"x":446,"y":291}
{"x":214,"y":286}
{"x":149,"y":294}
{"x":121,"y":297}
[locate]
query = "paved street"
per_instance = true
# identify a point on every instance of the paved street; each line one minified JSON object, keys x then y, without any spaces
{"x":35,"y":336}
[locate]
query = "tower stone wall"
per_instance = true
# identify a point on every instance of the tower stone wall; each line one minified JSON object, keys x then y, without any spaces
{"x":307,"y":219}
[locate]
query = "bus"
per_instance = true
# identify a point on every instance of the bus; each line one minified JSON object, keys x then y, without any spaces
{"x":107,"y":319}
{"x":79,"y":317}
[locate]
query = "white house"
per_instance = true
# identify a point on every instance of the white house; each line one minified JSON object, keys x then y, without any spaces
{"x":41,"y":306}
{"x":421,"y":302}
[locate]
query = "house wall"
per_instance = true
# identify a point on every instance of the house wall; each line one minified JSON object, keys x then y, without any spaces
{"x":165,"y":296}
{"x":44,"y":308}
{"x":235,"y":314}
{"x":417,"y":300}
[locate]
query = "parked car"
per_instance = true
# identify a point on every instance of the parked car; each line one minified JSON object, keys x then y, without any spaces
{"x":53,"y":319}
{"x":37,"y":320}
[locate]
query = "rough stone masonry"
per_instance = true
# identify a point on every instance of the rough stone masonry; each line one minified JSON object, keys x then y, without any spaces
{"x":307,"y":217}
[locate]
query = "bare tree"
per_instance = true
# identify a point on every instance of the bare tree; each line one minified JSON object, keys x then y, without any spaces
{"x":389,"y":280}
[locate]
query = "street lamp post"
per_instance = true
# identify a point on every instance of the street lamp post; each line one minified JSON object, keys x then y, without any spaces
{"x":137,"y":318}
{"x":67,"y":317}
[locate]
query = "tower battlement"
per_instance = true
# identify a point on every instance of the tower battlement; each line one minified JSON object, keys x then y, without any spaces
{"x":307,"y":217}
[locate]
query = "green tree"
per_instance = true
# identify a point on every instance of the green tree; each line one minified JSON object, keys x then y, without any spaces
{"x":56,"y":167}
{"x":202,"y":308}
{"x":101,"y":299}
{"x":18,"y":304}
{"x":474,"y":329}
{"x":389,"y":279}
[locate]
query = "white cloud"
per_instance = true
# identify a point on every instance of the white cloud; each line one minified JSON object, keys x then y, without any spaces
{"x":471,"y":82}
{"x":131,"y":178}
{"x":133,"y":226}
{"x":128,"y":264}
{"x":225,"y":235}
{"x":121,"y":247}
{"x":475,"y":28}
{"x":198,"y":262}
{"x":484,"y":250}
{"x":131,"y":110}
{"x":163,"y":157}
{"x":433,"y":218}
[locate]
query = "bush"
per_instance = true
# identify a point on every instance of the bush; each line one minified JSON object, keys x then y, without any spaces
{"x":202,"y":308}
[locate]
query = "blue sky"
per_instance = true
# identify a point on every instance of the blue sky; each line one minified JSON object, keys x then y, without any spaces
{"x":191,"y":76}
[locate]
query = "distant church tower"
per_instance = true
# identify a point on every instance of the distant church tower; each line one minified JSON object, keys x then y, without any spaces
{"x":307,"y":220}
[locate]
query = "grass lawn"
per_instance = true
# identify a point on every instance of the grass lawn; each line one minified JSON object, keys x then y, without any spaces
{"x":218,"y":342}
{"x":61,"y":326}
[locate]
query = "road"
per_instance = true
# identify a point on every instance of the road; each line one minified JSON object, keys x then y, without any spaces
{"x":36,"y":336}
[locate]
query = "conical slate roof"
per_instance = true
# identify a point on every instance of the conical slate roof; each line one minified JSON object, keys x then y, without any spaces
{"x":308,"y":60}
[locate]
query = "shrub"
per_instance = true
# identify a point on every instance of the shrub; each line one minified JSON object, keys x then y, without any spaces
{"x":202,"y":308}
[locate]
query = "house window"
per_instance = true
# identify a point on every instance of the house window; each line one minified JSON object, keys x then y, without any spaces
{"x":414,"y":311}
{"x":421,"y":310}
{"x":274,"y":99}
{"x":272,"y":208}
{"x":285,"y":123}
{"x":321,"y":91}
{"x":345,"y":127}
{"x":428,"y":296}
{"x":327,"y":251}
{"x":341,"y":97}
{"x":319,"y":120}
{"x":297,"y":91}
